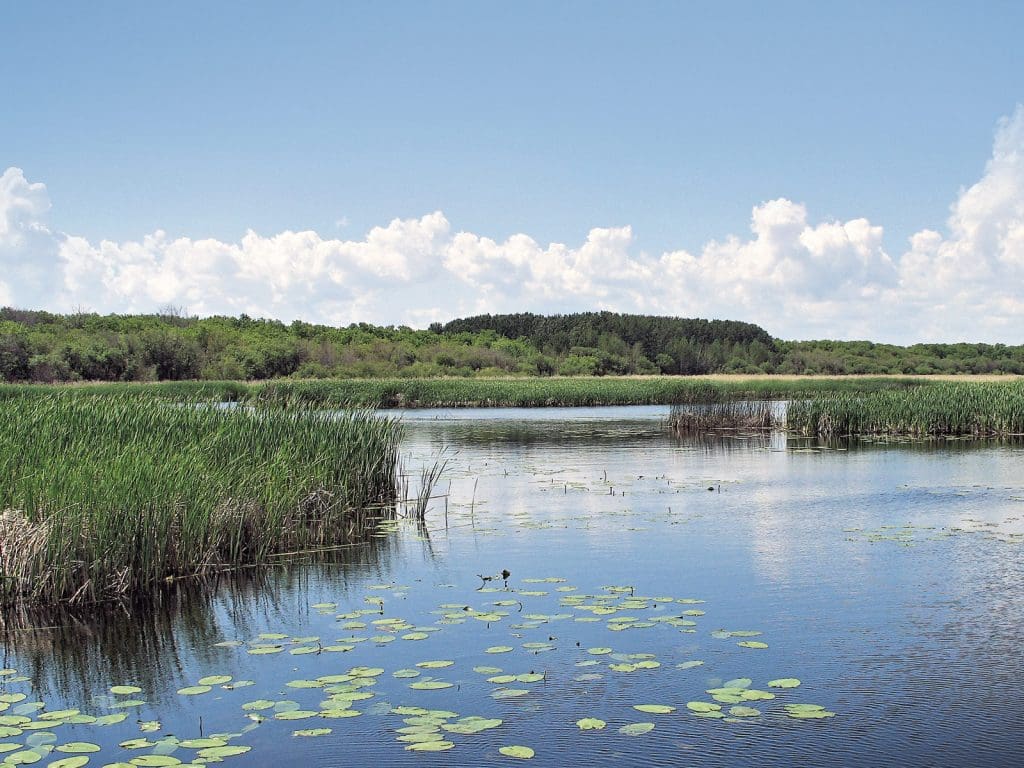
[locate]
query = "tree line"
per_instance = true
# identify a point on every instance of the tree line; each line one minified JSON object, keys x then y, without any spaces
{"x":46,"y":347}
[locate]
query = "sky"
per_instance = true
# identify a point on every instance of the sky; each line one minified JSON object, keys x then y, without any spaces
{"x":826,"y":170}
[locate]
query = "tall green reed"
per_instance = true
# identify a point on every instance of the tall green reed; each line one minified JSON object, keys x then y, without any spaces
{"x":106,"y":496}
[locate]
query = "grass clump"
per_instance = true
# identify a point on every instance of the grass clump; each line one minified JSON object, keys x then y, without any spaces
{"x":107,"y":496}
{"x":943,"y":409}
{"x":741,"y":415}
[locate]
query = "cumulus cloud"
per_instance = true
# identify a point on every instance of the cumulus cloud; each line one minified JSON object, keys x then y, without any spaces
{"x":28,"y":250}
{"x":796,"y":277}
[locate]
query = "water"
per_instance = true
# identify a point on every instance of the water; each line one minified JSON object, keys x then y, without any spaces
{"x":886,"y":577}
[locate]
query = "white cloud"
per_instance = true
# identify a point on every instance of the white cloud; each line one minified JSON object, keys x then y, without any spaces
{"x":797,"y":278}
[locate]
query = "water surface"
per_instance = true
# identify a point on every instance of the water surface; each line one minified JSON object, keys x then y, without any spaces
{"x":886,"y":577}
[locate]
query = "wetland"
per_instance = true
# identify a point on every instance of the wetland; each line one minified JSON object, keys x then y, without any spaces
{"x":585,"y":588}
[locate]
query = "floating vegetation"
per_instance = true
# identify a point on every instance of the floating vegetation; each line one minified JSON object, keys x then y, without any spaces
{"x":110,"y":496}
{"x":532,"y":632}
{"x":910,"y":535}
{"x":523,"y":753}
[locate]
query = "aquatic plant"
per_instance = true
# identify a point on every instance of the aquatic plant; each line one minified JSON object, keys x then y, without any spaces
{"x":109,"y":496}
{"x":745,"y":415}
{"x":509,"y":392}
{"x":942,"y":409}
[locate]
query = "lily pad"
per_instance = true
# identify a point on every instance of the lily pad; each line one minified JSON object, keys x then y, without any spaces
{"x":215,"y":680}
{"x":702,"y":706}
{"x":636,"y":729}
{"x":590,"y":724}
{"x":522,"y":753}
{"x":654,"y":709}
{"x":312,"y":732}
{"x":431,"y":746}
{"x":430,"y":685}
{"x":77,"y":761}
{"x":741,"y":711}
{"x":194,"y":690}
{"x":784,"y":682}
{"x":76,"y":747}
{"x":222,"y":752}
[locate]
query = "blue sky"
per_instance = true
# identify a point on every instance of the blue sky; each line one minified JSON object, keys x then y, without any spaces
{"x":547,"y":120}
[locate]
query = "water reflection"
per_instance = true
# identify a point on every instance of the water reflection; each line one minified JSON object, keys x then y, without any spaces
{"x":882,"y":573}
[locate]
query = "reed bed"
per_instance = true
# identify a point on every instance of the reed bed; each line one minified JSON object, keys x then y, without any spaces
{"x":943,"y":409}
{"x":741,"y":415}
{"x":486,"y":392}
{"x":107,"y":496}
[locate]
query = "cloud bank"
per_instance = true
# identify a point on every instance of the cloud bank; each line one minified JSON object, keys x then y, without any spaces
{"x":796,"y":277}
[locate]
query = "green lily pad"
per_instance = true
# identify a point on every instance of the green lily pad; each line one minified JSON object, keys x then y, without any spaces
{"x":808,"y":711}
{"x":113,"y":719}
{"x":752,"y":644}
{"x":296,"y":714}
{"x":312,"y":732}
{"x":739,"y":682}
{"x":654,"y":709}
{"x":24,"y":757}
{"x":59,"y":714}
{"x":784,"y":682}
{"x":741,"y":711}
{"x":222,"y":752}
{"x":204,"y":743}
{"x":636,"y":729}
{"x":215,"y":679}
{"x":76,"y":761}
{"x":499,"y":649}
{"x":194,"y":690}
{"x":155,"y":761}
{"x":590,"y":724}
{"x":430,"y":685}
{"x":258,"y":705}
{"x":125,"y":690}
{"x":509,"y":693}
{"x":522,"y":753}
{"x":430,"y":746}
{"x":75,"y":747}
{"x":702,"y":706}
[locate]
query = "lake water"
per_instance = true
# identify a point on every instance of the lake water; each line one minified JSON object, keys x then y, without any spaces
{"x":886,"y":577}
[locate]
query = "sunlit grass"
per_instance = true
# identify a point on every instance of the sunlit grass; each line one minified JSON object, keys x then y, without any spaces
{"x":108,"y":495}
{"x":942,"y":409}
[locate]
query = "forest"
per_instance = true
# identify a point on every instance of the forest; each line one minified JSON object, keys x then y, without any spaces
{"x":37,"y":346}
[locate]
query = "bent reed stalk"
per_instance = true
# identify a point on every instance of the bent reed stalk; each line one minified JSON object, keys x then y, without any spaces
{"x":108,"y":496}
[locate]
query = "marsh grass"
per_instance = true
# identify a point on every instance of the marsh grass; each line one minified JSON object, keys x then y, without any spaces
{"x":741,"y":415}
{"x":107,"y":495}
{"x":944,"y":409}
{"x":490,"y":392}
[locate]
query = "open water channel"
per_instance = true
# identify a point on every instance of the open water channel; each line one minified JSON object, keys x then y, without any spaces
{"x":763,"y":600}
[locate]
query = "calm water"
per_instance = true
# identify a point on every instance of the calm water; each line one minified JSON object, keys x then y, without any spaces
{"x":887,"y":578}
